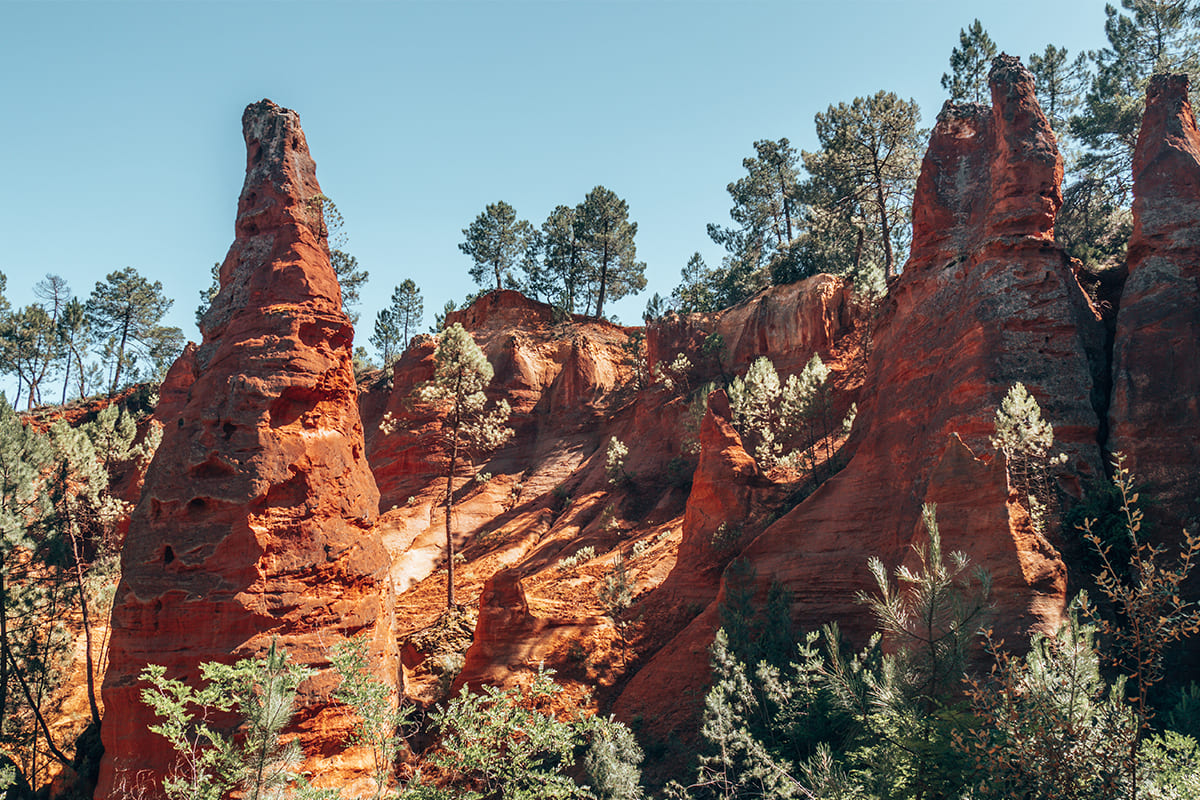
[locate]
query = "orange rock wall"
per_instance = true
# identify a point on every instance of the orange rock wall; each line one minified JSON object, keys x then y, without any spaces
{"x":1155,"y":413}
{"x":986,"y":300}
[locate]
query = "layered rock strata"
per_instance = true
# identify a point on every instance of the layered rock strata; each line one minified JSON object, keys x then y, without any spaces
{"x":1155,"y":413}
{"x":987,"y":299}
{"x":256,"y":523}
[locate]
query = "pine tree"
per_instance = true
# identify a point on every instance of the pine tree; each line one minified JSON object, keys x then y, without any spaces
{"x":565,"y":262}
{"x":1059,"y":82}
{"x":766,"y":210}
{"x":255,"y":762}
{"x":969,"y":65}
{"x":28,"y":605}
{"x":381,"y":725}
{"x":695,"y":292}
{"x":397,"y":323}
{"x":607,"y":236}
{"x":30,"y":345}
{"x":350,"y":278}
{"x":124,"y":312}
{"x":74,"y":334}
{"x":770,"y":413}
{"x":866,"y":172}
{"x":1049,"y":725}
{"x":505,"y":744}
{"x":208,"y":294}
{"x":496,"y":242}
{"x":1144,"y":37}
{"x":470,"y":428}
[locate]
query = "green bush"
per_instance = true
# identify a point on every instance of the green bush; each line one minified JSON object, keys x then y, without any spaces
{"x":508,"y":744}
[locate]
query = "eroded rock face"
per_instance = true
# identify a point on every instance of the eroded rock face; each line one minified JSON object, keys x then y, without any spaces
{"x":787,"y":324}
{"x":986,"y":300}
{"x":256,"y":523}
{"x":727,"y":489}
{"x":1155,"y":413}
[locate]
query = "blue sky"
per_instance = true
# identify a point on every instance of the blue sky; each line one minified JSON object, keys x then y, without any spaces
{"x":121,"y":137}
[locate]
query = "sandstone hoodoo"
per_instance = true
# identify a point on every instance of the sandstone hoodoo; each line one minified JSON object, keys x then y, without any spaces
{"x":987,"y":299}
{"x":256,"y":523}
{"x":1154,"y":418}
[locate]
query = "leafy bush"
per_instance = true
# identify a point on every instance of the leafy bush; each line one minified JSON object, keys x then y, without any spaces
{"x":213,"y":762}
{"x":381,"y":724}
{"x":508,"y":744}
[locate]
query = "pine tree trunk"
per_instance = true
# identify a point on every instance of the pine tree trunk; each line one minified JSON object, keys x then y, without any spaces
{"x":889,"y":258}
{"x":3,"y":648}
{"x":87,"y":631}
{"x":120,"y":357}
{"x":449,"y":535}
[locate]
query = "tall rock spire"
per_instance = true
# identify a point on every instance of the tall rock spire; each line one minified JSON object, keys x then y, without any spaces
{"x":256,"y":523}
{"x":1155,"y":413}
{"x":986,"y":299}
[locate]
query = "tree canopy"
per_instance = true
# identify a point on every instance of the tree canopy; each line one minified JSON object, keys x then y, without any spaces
{"x":970,"y":63}
{"x":124,"y":312}
{"x":608,"y":240}
{"x":495,"y":241}
{"x":865,"y":173}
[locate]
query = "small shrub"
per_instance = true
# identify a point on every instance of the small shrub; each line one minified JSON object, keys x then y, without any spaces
{"x":508,"y":745}
{"x":447,"y":666}
{"x":381,"y":725}
{"x":1184,"y":717}
{"x":1025,"y":439}
{"x":575,"y":651}
{"x":582,"y":555}
{"x":616,"y":594}
{"x":679,"y":472}
{"x":562,"y":497}
{"x":674,"y":376}
{"x":614,"y":462}
{"x":726,"y":536}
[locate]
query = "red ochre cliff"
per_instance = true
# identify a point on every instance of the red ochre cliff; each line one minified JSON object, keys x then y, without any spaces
{"x":260,"y":518}
{"x":986,"y":300}
{"x":257,"y":520}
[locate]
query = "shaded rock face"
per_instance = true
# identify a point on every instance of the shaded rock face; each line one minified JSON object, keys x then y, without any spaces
{"x":727,"y":489}
{"x":724,"y":509}
{"x":785,"y":323}
{"x":1155,"y":412}
{"x":573,"y":385}
{"x":986,"y":300}
{"x":564,"y":381}
{"x":256,"y":520}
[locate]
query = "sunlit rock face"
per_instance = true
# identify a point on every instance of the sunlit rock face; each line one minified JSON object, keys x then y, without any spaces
{"x":986,"y":299}
{"x":256,"y":523}
{"x":1155,"y":413}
